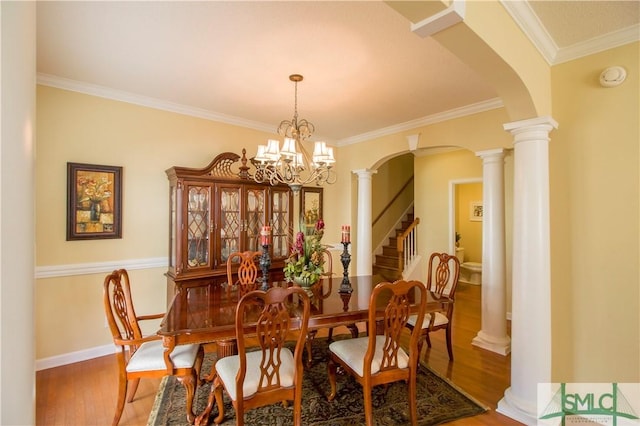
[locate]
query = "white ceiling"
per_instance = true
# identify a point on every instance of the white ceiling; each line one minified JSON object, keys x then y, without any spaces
{"x":365,"y":72}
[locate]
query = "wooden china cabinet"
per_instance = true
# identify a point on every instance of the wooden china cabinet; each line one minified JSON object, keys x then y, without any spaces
{"x":220,"y":209}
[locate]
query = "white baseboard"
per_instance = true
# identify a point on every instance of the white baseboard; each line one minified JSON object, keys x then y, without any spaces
{"x":72,"y":357}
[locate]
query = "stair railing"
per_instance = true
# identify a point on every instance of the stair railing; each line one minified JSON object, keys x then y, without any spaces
{"x":407,"y":245}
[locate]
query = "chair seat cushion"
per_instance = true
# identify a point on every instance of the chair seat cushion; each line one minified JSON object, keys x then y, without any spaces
{"x":352,"y":351}
{"x":149,"y":356}
{"x":440,"y":319}
{"x":227,"y":369}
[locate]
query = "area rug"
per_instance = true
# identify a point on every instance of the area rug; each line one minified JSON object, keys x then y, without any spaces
{"x":439,"y":401}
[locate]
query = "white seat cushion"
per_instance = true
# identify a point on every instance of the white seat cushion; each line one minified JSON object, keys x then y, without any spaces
{"x":149,"y":356}
{"x":440,"y":319}
{"x":352,"y":352}
{"x":227,"y":369}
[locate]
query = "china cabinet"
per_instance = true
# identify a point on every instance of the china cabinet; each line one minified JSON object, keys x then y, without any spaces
{"x":220,"y":209}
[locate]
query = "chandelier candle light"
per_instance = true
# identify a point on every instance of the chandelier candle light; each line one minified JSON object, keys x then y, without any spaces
{"x":265,"y":260}
{"x":292,"y":165}
{"x":345,"y":286}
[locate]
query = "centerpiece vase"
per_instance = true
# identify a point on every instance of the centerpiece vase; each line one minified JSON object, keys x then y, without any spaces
{"x":304,"y":282}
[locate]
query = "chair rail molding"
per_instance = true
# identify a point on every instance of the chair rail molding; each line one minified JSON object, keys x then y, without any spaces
{"x":53,"y":271}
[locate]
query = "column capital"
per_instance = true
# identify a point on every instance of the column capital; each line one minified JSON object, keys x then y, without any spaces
{"x":364,"y":173}
{"x":532,"y":129}
{"x":491,"y":153}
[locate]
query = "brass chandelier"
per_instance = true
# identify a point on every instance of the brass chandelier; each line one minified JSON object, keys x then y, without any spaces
{"x":292,"y":165}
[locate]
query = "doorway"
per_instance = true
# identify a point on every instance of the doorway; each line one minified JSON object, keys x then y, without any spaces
{"x":465,"y":219}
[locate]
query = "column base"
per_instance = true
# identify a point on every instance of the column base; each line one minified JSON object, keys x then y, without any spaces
{"x":512,"y":407}
{"x":499,"y":345}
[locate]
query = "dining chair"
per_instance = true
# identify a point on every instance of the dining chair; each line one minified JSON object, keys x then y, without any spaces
{"x":272,"y":373}
{"x":247,"y":272}
{"x":144,"y":357}
{"x":443,"y":272}
{"x":379,"y":358}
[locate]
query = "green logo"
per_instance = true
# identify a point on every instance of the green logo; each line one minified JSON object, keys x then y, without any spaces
{"x":590,"y":403}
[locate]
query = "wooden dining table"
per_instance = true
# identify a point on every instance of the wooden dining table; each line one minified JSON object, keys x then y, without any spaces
{"x":206,"y":314}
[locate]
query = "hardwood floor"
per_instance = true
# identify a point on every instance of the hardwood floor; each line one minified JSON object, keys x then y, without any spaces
{"x":85,"y":393}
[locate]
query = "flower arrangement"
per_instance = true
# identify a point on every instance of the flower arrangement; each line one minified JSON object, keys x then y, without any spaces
{"x":305,"y":264}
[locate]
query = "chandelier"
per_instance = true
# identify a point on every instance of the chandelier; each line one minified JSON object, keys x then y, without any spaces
{"x":292,"y":165}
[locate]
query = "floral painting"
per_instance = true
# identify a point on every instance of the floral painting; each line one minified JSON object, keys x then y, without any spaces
{"x":94,"y":201}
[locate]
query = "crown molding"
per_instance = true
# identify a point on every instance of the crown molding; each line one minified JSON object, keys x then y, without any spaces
{"x":530,"y":24}
{"x":599,"y":44}
{"x":425,"y":121}
{"x":119,"y":95}
{"x":528,"y":21}
{"x":122,"y":96}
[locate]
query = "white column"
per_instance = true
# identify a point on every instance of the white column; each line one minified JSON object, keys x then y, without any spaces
{"x":364,"y":256}
{"x":493,"y":335}
{"x":17,"y":212}
{"x":531,"y":302}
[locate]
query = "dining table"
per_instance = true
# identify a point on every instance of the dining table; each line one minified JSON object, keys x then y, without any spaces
{"x":207,"y":314}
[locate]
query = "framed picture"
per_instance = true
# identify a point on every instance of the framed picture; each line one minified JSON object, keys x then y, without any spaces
{"x":94,"y":202}
{"x":310,"y":206}
{"x":475,"y":214}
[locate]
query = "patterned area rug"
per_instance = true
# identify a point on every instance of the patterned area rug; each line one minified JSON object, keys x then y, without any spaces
{"x":438,"y":401}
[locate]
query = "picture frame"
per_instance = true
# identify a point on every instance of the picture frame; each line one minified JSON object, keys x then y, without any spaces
{"x":476,"y":212}
{"x":310,"y":206}
{"x":94,"y":202}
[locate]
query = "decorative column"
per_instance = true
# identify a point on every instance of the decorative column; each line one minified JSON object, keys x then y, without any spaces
{"x":364,"y":257}
{"x":531,"y":301}
{"x":493,"y":335}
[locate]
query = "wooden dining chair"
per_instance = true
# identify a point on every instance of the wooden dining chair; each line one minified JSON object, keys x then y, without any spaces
{"x":144,"y":357}
{"x":444,"y":271}
{"x":379,"y":358}
{"x":247,"y":272}
{"x":272,"y":373}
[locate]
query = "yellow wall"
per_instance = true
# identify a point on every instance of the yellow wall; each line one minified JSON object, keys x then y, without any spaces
{"x":73,"y":127}
{"x":594,"y":178}
{"x":433,"y":176}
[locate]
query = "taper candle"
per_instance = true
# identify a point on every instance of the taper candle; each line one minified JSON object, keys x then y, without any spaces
{"x":265,"y":235}
{"x":346,"y":233}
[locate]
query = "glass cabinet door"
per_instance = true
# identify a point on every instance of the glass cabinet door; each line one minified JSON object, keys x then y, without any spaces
{"x":230,"y":221}
{"x":173,"y":228}
{"x":280,"y":222}
{"x":198,"y":230}
{"x":255,"y":216}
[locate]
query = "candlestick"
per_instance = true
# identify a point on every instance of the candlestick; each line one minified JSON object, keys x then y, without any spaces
{"x":345,"y":286}
{"x":265,"y":264}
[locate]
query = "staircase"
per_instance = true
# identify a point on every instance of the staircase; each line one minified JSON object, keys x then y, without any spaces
{"x":387,"y":263}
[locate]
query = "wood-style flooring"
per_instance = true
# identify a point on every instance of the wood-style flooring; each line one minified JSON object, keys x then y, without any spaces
{"x":84,"y":393}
